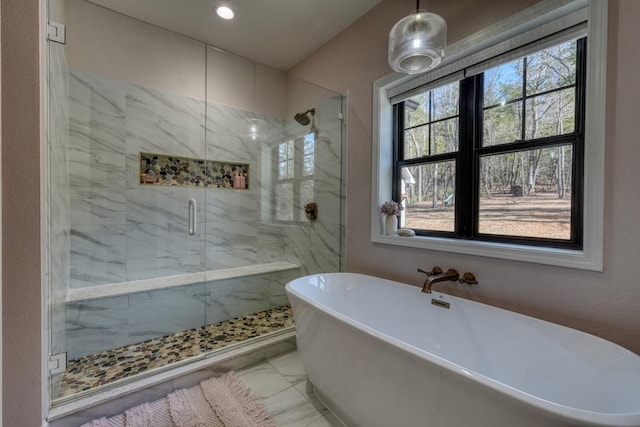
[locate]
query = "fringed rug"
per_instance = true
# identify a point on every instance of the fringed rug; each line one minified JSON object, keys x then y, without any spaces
{"x":216,"y":402}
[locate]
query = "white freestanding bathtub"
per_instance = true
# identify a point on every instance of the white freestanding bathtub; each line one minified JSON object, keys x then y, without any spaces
{"x":379,"y":353}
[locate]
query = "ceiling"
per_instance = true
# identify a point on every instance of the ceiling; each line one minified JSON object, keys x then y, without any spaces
{"x":276,"y":33}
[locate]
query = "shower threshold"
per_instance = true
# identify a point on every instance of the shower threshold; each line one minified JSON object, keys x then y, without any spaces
{"x":87,"y":373}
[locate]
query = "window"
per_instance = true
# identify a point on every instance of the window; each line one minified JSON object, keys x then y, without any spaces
{"x":469,"y":66}
{"x":294,"y":185}
{"x":426,"y":162}
{"x":497,"y":155}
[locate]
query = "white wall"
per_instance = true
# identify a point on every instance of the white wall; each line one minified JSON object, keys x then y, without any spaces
{"x":118,"y":47}
{"x":115,"y":46}
{"x":121,"y":48}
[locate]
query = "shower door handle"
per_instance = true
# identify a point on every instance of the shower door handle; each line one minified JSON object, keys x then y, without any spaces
{"x":192,"y":217}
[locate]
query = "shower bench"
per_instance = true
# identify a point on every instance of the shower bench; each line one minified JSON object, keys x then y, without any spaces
{"x":165,"y":282}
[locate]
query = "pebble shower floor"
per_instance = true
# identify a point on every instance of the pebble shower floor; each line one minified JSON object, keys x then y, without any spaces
{"x":98,"y":369}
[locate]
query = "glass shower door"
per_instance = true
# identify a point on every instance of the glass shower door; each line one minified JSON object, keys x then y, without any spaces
{"x":253,"y":248}
{"x":126,"y":222}
{"x":180,"y":190}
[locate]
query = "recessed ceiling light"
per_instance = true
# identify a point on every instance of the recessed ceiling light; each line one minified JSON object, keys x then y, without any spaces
{"x":223,"y":11}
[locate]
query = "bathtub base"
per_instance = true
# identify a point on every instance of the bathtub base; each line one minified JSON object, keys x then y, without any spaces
{"x":366,"y":382}
{"x":380,"y":354}
{"x":311,"y":389}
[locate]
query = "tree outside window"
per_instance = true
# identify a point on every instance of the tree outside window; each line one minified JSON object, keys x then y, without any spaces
{"x":498,"y":155}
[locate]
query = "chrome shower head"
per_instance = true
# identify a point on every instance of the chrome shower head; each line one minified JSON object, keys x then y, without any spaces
{"x":303,"y":118}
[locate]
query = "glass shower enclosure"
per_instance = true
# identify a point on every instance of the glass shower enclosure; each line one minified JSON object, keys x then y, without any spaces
{"x":186,"y":187}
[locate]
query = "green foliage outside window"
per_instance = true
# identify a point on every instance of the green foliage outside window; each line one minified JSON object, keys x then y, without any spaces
{"x":519,"y":157}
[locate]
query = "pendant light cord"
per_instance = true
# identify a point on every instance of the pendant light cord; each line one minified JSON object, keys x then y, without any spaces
{"x":417,"y":4}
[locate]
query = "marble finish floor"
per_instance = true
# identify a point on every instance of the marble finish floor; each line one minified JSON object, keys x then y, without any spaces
{"x":95,"y":370}
{"x":282,"y":384}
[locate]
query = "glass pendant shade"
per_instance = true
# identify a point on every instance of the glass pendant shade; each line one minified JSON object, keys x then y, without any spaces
{"x":256,"y":131}
{"x":417,"y":42}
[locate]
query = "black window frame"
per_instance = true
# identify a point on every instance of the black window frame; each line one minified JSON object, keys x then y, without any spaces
{"x":470,"y":150}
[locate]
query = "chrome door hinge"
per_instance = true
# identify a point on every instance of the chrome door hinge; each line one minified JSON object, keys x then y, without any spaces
{"x":56,"y":32}
{"x":57,"y":363}
{"x":340,"y":116}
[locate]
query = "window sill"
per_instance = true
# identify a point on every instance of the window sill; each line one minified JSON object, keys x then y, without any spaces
{"x":534,"y":254}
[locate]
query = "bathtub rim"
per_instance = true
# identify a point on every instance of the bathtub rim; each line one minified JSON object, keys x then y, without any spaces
{"x":631,"y":419}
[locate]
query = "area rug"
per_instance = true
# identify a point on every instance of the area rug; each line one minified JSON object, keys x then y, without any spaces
{"x":215,"y":402}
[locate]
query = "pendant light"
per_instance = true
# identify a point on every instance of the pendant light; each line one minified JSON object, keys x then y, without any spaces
{"x":417,"y":42}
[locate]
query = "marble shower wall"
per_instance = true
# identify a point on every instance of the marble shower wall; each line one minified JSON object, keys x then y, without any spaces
{"x":233,"y":217}
{"x":318,"y":243}
{"x":120,"y":230}
{"x":314,"y":245}
{"x":123,"y":231}
{"x":107,"y":323}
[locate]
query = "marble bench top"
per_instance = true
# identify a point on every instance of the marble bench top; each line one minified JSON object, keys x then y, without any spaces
{"x":125,"y":288}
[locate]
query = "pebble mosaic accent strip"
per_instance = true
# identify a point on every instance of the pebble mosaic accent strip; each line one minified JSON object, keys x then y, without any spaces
{"x":95,"y":370}
{"x":163,"y":169}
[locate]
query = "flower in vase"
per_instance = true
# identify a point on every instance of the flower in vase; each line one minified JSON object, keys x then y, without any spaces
{"x":391,"y":208}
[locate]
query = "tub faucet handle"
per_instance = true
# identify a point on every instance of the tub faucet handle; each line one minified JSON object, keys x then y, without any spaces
{"x":436,"y":275}
{"x":435,"y":270}
{"x":468,"y":278}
